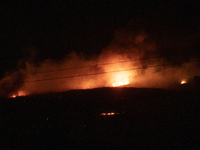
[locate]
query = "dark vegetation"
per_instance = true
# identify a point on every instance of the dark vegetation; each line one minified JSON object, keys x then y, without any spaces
{"x":148,"y":119}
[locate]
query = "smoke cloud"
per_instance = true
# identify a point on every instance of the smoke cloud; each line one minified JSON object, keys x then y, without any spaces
{"x":131,"y":60}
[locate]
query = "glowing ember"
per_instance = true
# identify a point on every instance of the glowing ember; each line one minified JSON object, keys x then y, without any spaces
{"x":183,"y":82}
{"x":112,"y":113}
{"x":120,"y":79}
{"x":20,"y":93}
{"x":13,"y":96}
{"x":109,"y":114}
{"x":103,"y":114}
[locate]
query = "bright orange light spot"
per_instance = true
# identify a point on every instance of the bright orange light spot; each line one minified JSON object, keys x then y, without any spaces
{"x":103,"y":114}
{"x":109,"y":114}
{"x":20,"y":93}
{"x":13,"y":96}
{"x":183,"y":82}
{"x":121,"y":78}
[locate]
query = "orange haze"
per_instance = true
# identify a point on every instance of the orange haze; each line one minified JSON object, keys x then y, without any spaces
{"x":125,"y":62}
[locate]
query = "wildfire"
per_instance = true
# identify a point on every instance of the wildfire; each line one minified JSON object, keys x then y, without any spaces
{"x":120,"y":79}
{"x":183,"y":82}
{"x":14,"y":96}
{"x":20,"y":93}
{"x":109,"y":114}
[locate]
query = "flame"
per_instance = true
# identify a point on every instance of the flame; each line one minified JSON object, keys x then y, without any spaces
{"x":109,"y":114}
{"x":183,"y":82}
{"x":121,"y":78}
{"x":14,"y":96}
{"x":20,"y":93}
{"x":120,"y":64}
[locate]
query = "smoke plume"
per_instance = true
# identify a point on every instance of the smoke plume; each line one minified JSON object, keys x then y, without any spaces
{"x":131,"y":60}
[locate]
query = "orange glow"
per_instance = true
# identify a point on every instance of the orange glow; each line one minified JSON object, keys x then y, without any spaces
{"x":183,"y":82}
{"x":131,"y":60}
{"x":13,"y":96}
{"x":20,"y":93}
{"x":121,"y":78}
{"x":109,"y":114}
{"x":103,"y":114}
{"x":112,"y":113}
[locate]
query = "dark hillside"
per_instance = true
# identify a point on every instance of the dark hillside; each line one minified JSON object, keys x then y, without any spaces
{"x":142,"y":119}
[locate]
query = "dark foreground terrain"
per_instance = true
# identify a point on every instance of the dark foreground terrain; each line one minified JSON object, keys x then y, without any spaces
{"x":143,"y":119}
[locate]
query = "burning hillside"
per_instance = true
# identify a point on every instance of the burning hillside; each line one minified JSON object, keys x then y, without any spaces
{"x":130,"y":60}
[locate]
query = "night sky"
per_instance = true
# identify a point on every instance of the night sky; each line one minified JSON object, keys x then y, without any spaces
{"x":51,"y":29}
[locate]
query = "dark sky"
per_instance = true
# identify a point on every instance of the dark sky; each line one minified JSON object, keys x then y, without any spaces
{"x":52,"y":29}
